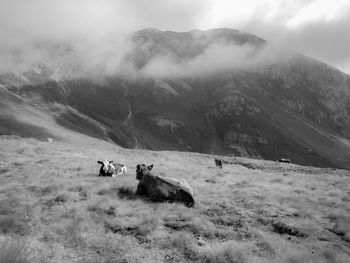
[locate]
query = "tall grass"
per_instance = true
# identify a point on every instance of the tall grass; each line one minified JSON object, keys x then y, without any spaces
{"x":342,"y":226}
{"x":14,"y":251}
{"x":227,"y":252}
{"x":183,"y":242}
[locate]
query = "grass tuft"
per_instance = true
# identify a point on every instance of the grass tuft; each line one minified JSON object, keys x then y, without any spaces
{"x":74,"y":234}
{"x":77,"y":188}
{"x":227,"y":252}
{"x":342,"y":227}
{"x":12,"y":224}
{"x":14,"y":251}
{"x":84,"y":195}
{"x":126,"y":193}
{"x":211,"y":181}
{"x":282,"y":228}
{"x":329,"y":256}
{"x":117,"y":229}
{"x":147,"y":226}
{"x":4,"y":170}
{"x":111,"y":211}
{"x":61,"y":198}
{"x":264,"y":249}
{"x":47,"y":190}
{"x":112,"y":191}
{"x":12,"y":220}
{"x":183,"y":242}
{"x":305,"y":258}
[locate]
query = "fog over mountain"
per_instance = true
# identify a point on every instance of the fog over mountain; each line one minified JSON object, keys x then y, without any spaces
{"x":84,"y":58}
{"x":96,"y":30}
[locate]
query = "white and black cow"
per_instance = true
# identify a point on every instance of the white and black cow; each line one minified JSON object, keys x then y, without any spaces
{"x":284,"y":160}
{"x":107,"y":168}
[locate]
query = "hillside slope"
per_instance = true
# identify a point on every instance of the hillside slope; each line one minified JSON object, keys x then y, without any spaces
{"x":54,"y":208}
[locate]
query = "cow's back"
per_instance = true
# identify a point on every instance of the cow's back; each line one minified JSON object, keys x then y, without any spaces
{"x":164,"y":188}
{"x":178,"y":183}
{"x":155,"y":188}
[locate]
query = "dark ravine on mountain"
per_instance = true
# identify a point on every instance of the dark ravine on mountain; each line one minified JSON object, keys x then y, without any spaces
{"x":294,"y":107}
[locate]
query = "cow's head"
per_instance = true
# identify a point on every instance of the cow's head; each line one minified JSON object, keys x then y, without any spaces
{"x":141,"y":170}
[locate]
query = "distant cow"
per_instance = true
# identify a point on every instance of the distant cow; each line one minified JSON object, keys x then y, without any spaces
{"x":218,"y":163}
{"x":107,"y":168}
{"x":284,"y":160}
{"x":161,"y":188}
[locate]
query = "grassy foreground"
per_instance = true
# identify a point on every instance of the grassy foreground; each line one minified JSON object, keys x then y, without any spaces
{"x":54,"y":208}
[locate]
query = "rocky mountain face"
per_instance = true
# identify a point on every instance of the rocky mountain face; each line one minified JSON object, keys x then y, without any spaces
{"x":290,"y":106}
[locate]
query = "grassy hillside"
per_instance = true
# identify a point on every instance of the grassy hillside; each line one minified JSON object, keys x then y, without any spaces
{"x":54,"y":208}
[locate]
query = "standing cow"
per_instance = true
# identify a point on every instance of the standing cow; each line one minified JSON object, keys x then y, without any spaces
{"x":218,"y":163}
{"x":162,"y":188}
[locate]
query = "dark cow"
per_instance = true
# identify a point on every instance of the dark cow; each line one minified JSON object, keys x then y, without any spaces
{"x":107,"y":168}
{"x":161,"y":188}
{"x":284,"y":160}
{"x":218,"y":163}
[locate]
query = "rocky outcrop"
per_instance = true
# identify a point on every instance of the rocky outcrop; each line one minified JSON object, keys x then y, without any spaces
{"x":232,"y":138}
{"x":162,"y":122}
{"x":230,"y":104}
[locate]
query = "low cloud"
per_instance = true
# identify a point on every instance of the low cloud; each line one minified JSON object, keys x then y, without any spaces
{"x":90,"y":37}
{"x":216,"y":58}
{"x":75,"y":57}
{"x":80,"y":58}
{"x":318,"y":29}
{"x":84,"y":57}
{"x":82,"y":37}
{"x":328,"y":41}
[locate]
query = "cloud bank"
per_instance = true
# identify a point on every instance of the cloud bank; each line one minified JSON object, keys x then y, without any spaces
{"x":217,"y":58}
{"x":91,"y":35}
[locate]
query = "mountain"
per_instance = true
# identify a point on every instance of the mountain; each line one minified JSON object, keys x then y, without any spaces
{"x":216,"y":91}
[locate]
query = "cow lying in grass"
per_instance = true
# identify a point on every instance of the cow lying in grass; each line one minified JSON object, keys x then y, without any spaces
{"x":161,"y":188}
{"x":284,"y":160}
{"x":109,"y":168}
{"x":121,"y":168}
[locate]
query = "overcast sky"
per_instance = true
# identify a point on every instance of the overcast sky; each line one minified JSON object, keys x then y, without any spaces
{"x":318,"y":28}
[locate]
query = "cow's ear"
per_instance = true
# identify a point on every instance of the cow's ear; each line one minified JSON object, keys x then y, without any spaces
{"x":150,"y":167}
{"x":110,"y":161}
{"x":138,"y":167}
{"x":99,"y":162}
